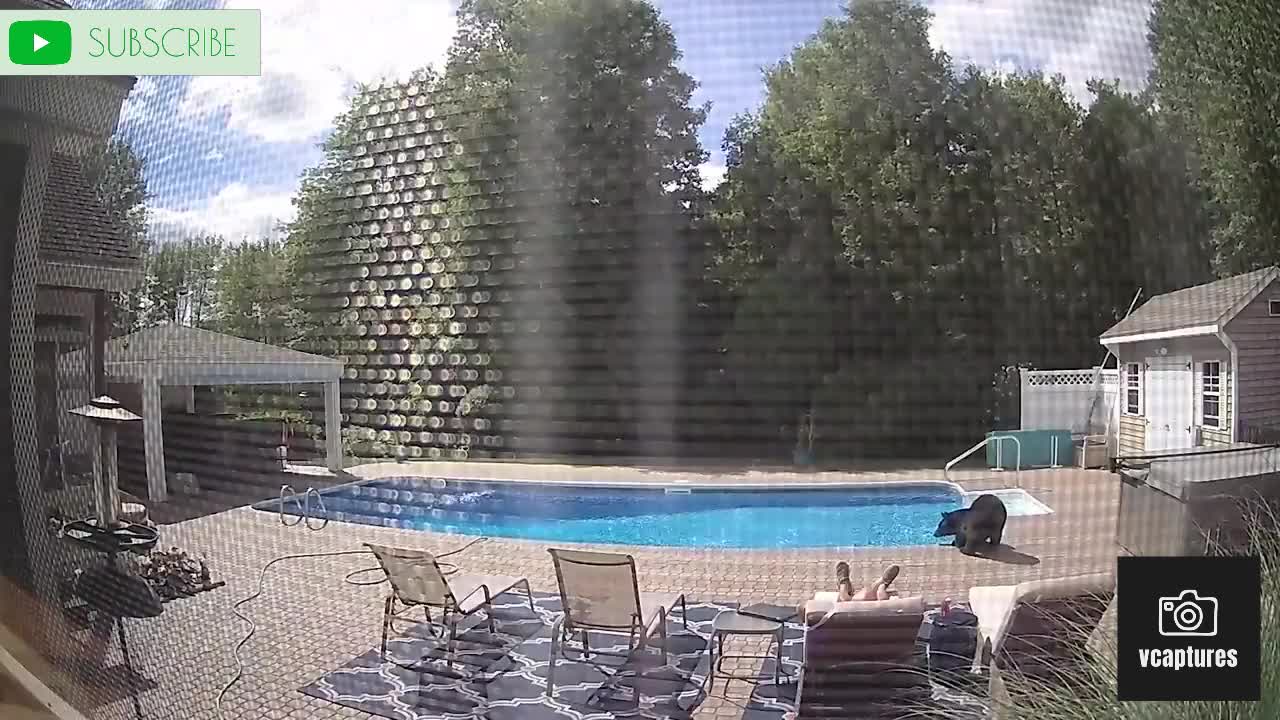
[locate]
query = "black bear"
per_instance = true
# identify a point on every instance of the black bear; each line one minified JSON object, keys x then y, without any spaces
{"x":980,"y":523}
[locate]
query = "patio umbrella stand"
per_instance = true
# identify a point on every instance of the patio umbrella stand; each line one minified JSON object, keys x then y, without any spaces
{"x":110,"y":589}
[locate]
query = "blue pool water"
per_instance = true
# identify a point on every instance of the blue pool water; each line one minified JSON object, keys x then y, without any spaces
{"x":877,"y":516}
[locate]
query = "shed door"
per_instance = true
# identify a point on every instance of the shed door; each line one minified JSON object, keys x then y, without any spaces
{"x":1170,"y":403}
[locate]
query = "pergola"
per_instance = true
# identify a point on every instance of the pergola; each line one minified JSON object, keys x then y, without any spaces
{"x":177,"y":355}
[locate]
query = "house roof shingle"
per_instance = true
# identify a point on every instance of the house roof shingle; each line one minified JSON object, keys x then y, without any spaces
{"x":49,"y":4}
{"x":76,"y":226}
{"x":1194,"y":306}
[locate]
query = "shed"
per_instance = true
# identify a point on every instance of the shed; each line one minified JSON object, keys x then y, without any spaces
{"x":183,"y":357}
{"x":1200,"y":366}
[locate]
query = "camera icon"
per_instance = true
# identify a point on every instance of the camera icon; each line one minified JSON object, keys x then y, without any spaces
{"x":1188,"y":615}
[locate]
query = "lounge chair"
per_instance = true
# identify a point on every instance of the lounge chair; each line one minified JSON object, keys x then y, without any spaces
{"x":1039,"y":628}
{"x":417,"y":580}
{"x":860,"y":660}
{"x":600,"y":593}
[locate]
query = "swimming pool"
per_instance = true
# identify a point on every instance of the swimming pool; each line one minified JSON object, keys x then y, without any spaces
{"x":882,"y":515}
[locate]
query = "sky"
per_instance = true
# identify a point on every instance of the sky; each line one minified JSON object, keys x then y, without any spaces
{"x":224,"y":155}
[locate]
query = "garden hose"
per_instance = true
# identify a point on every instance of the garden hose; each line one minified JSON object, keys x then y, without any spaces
{"x":446,"y":568}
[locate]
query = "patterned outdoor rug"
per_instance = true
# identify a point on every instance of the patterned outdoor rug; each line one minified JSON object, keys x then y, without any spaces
{"x":503,"y":675}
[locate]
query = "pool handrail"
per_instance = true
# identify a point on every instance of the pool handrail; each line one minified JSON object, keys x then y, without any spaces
{"x":289,"y":494}
{"x":1017,"y":463}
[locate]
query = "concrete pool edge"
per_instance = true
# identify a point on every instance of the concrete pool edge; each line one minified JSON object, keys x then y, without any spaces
{"x":375,"y":472}
{"x":1041,"y":507}
{"x":643,"y":479}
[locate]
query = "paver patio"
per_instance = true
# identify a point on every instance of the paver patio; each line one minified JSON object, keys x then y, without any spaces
{"x":309,"y":621}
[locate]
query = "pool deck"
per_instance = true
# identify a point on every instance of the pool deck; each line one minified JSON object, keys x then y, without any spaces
{"x":310,"y":621}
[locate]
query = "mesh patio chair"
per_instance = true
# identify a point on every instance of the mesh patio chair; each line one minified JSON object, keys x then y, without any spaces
{"x":601,"y":594}
{"x":417,"y":580}
{"x":859,"y":659}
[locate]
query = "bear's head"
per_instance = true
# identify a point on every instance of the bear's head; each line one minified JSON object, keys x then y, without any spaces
{"x":950,"y":523}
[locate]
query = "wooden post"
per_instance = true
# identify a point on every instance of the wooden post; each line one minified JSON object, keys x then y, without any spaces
{"x":101,"y":333}
{"x":153,"y":440}
{"x":333,"y":425}
{"x":98,"y":334}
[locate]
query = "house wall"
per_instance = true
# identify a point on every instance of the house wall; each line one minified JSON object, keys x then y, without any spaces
{"x":24,"y":538}
{"x":1133,"y":428}
{"x":73,"y":372}
{"x":1257,"y":339}
{"x":1133,"y":435}
{"x":43,"y":115}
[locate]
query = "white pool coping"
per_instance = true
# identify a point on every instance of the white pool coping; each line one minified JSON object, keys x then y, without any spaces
{"x":680,"y":485}
{"x":1035,"y":506}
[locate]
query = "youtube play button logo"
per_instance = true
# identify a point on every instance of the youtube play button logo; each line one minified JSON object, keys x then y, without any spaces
{"x":39,"y":42}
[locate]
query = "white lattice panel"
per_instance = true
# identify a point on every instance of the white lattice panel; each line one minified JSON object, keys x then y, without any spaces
{"x":1060,"y":399}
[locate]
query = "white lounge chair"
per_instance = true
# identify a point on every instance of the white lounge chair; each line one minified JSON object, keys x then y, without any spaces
{"x":1040,"y":627}
{"x":859,"y":658}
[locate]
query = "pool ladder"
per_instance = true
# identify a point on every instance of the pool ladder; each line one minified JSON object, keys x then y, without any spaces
{"x":998,"y":441}
{"x":289,"y":494}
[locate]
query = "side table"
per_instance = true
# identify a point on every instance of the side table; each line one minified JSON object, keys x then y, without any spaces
{"x":732,"y":622}
{"x":950,"y":643}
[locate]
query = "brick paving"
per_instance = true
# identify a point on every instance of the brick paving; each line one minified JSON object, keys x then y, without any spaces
{"x":309,"y":621}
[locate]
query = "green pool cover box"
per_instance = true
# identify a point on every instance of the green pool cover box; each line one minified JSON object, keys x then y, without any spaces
{"x":1040,"y":448}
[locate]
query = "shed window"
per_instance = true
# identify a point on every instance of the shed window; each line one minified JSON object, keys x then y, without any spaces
{"x":1273,"y":307}
{"x":1133,"y":389}
{"x":1211,"y":394}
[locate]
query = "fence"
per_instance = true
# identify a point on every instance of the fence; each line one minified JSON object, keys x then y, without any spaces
{"x":1060,"y":399}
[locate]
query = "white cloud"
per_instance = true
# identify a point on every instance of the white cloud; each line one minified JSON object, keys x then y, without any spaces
{"x":1078,"y":39}
{"x":141,"y":101}
{"x":235,"y":212}
{"x":312,"y":59}
{"x":712,"y":175}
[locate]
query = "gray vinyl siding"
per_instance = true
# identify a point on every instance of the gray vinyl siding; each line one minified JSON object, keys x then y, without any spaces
{"x":1257,"y":339}
{"x":1133,"y":435}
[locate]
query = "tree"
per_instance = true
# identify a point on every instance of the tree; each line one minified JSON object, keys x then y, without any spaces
{"x":254,"y":298}
{"x":117,"y":175}
{"x":181,"y":267}
{"x":1147,"y":223}
{"x":600,"y":195}
{"x":1217,"y":76}
{"x":837,"y":204}
{"x":309,"y":241}
{"x":895,"y":233}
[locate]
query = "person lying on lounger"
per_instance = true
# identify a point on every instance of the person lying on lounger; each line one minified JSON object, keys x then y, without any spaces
{"x":877,"y":591}
{"x":845,"y":592}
